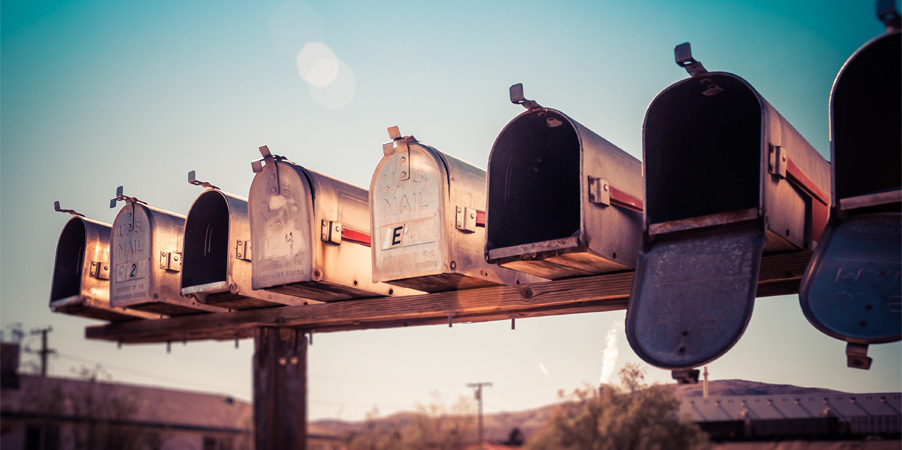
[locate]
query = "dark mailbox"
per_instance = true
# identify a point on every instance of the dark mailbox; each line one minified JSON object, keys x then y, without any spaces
{"x":310,"y":234}
{"x":216,"y":262}
{"x":146,"y":258}
{"x":428,"y":217}
{"x":562,"y":201}
{"x":726,"y":178}
{"x":81,"y":272}
{"x":852,"y":289}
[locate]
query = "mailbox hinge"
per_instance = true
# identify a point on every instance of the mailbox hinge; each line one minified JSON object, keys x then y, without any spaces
{"x":171,"y":261}
{"x":331,"y":231}
{"x":243,"y":250}
{"x":100,"y":270}
{"x":399,"y":144}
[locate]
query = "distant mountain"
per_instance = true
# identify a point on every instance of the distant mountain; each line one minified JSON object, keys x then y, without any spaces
{"x":498,"y":425}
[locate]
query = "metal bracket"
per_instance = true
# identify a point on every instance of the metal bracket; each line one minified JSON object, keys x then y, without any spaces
{"x":886,"y":12}
{"x":399,"y":144}
{"x":123,"y":198}
{"x":243,"y":250}
{"x":171,"y":261}
{"x":466,"y":219}
{"x":269,"y":158}
{"x":599,"y":191}
{"x":193,"y":180}
{"x":331,"y":231}
{"x":683,"y":55}
{"x":517,"y":97}
{"x":777,"y":161}
{"x":857,"y":356}
{"x":56,"y":207}
{"x":100,"y":270}
{"x":685,"y":376}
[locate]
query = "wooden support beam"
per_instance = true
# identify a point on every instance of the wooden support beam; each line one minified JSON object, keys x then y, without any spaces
{"x":779,"y":275}
{"x":280,"y":389}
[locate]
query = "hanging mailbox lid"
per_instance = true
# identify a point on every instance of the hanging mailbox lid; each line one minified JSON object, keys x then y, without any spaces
{"x":428,"y":216}
{"x":146,"y":258}
{"x":310,"y":234}
{"x":562,"y":201}
{"x":216,"y":262}
{"x":81,"y":272}
{"x":726,"y":178}
{"x":852,"y":289}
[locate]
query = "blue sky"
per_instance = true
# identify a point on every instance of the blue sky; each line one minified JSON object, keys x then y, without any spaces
{"x":97,"y":94}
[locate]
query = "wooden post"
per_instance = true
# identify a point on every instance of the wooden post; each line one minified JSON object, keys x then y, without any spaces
{"x":280,"y":388}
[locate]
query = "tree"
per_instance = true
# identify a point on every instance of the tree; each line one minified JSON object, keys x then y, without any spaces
{"x":433,"y":427}
{"x":634,"y":416}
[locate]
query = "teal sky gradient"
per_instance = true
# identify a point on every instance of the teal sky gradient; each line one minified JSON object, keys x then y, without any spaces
{"x":97,"y":94}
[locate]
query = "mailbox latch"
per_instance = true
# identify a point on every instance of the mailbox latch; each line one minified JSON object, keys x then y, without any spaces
{"x":331,"y":231}
{"x":171,"y":261}
{"x":100,"y":270}
{"x":243,"y":250}
{"x":857,"y":356}
{"x":399,"y":144}
{"x":599,"y":191}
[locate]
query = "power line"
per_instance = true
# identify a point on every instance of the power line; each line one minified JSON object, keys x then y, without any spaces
{"x":44,"y":351}
{"x":478,"y":394}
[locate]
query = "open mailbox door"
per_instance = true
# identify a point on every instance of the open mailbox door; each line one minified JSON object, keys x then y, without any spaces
{"x":727,"y":178}
{"x":428,"y":217}
{"x":216,"y":262}
{"x":146,"y":258}
{"x":562,"y":201}
{"x":81,"y":272}
{"x":310,"y":234}
{"x":852,"y":289}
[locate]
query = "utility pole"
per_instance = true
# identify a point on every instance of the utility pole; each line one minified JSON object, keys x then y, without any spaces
{"x":479,"y":387}
{"x":44,"y":352}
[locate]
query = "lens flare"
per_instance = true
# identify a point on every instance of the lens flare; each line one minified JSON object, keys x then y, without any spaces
{"x":317,"y":64}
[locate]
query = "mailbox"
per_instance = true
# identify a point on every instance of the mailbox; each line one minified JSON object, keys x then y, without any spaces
{"x":727,"y":178}
{"x":216,"y":262}
{"x":146,"y":258}
{"x":310,"y":234}
{"x":81,"y":271}
{"x":428,"y":219}
{"x":562,"y":201}
{"x":852,"y":288}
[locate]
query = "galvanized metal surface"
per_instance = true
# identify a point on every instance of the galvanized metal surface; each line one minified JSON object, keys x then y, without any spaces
{"x":81,"y":272}
{"x":693,"y":295}
{"x":424,"y":209}
{"x":142,"y":274}
{"x":217,"y":260}
{"x":545,"y":188}
{"x":288,"y":207}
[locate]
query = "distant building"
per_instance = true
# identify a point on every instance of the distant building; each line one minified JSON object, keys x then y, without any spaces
{"x":797,"y":416}
{"x":38,"y":413}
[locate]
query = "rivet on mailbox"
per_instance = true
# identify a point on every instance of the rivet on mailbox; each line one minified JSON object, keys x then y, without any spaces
{"x":146,"y":258}
{"x":852,"y":289}
{"x":216,"y":266}
{"x":428,"y":217}
{"x":81,"y":272}
{"x":310,"y":234}
{"x":562,"y":201}
{"x":726,"y":178}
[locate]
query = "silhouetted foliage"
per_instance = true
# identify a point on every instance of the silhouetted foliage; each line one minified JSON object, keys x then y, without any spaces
{"x":434,"y":427}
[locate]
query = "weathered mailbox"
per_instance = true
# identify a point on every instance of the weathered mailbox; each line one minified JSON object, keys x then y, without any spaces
{"x":562,"y":201}
{"x":852,"y":289}
{"x":726,"y":178}
{"x":428,"y":219}
{"x":146,"y":258}
{"x":81,"y":271}
{"x":310,"y":234}
{"x":216,"y":262}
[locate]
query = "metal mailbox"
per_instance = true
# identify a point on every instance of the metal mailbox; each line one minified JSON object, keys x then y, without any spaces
{"x":81,"y":271}
{"x":310,"y":234}
{"x":216,"y":262}
{"x":146,"y":258}
{"x":428,"y":217}
{"x":852,"y":288}
{"x":562,"y":201}
{"x":726,"y":179}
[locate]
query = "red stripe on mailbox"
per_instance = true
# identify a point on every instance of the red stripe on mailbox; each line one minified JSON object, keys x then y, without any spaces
{"x":819,"y":209}
{"x":356,"y":237}
{"x":480,"y":218}
{"x":624,"y":200}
